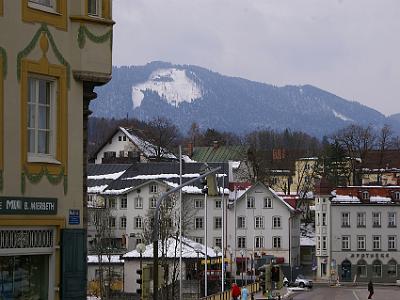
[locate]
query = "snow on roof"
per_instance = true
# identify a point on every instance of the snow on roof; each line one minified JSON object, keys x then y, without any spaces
{"x":236,"y":194}
{"x":189,"y":248}
{"x":379,"y":199}
{"x":114,"y":259}
{"x":96,"y":189}
{"x":191,"y":189}
{"x":117,"y":192}
{"x":280,"y":198}
{"x":235,"y":164}
{"x":112,"y":176}
{"x":187,"y":159}
{"x":147,"y":148}
{"x":346,"y":199}
{"x":161,"y":176}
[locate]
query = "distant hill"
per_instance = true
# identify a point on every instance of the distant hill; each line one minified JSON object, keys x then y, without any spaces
{"x":187,"y":94}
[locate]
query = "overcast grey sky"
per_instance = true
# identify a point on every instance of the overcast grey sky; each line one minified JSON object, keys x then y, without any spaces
{"x":348,"y":47}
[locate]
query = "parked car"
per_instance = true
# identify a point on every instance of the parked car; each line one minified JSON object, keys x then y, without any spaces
{"x":300,"y":281}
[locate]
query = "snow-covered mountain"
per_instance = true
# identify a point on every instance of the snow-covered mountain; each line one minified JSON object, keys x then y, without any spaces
{"x":187,"y":94}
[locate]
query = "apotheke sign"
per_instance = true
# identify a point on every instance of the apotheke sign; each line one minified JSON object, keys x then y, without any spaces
{"x":28,"y":206}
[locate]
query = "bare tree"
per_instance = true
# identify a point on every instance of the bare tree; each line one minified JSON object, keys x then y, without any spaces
{"x":162,"y":136}
{"x":169,"y":228}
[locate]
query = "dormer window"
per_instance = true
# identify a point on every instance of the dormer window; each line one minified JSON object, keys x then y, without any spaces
{"x":365,"y":195}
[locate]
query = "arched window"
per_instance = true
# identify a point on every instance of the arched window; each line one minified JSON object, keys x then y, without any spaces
{"x":362,"y":268}
{"x":377,"y":268}
{"x":392,"y":268}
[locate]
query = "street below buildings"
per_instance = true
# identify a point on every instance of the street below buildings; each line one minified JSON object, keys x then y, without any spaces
{"x":349,"y":293}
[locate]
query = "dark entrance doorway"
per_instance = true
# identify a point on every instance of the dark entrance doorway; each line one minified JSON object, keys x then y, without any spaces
{"x":346,"y":271}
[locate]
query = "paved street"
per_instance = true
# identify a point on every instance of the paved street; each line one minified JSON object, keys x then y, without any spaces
{"x":349,"y":293}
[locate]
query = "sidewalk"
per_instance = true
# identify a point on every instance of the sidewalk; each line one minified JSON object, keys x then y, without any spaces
{"x":284,"y":292}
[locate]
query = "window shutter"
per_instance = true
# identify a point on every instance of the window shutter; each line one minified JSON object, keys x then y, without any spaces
{"x":73,"y":264}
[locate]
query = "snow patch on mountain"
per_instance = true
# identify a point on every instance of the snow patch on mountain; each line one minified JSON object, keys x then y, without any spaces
{"x":170,"y":84}
{"x":342,"y":117}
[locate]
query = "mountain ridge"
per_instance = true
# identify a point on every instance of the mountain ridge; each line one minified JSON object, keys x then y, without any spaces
{"x":227,"y":103}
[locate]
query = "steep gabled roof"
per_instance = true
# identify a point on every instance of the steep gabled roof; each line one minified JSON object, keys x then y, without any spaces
{"x":274,"y":194}
{"x":147,"y":148}
{"x":167,"y":173}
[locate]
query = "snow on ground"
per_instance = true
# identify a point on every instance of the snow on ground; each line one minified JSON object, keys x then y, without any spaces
{"x":170,"y":84}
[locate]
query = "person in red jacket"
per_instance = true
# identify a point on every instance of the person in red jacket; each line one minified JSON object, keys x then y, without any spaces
{"x":235,"y":291}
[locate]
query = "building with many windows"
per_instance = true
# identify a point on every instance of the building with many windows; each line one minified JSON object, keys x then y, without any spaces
{"x":357,"y":234}
{"x":52,"y":54}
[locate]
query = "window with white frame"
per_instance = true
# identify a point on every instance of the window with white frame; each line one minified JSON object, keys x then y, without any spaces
{"x":45,"y":5}
{"x":153,"y":202}
{"x":276,"y":222}
{"x":94,"y":8}
{"x":111,"y":222}
{"x":138,"y":222}
{"x":376,"y":219}
{"x":345,"y":242}
{"x":376,"y":242}
{"x":323,"y":219}
{"x":122,"y":222}
{"x":198,"y":223}
{"x":218,"y":242}
{"x":361,"y":242}
{"x":376,"y":269}
{"x":365,"y":195}
{"x":218,"y":203}
{"x":258,"y":222}
{"x":112,"y":202}
{"x":198,"y":203}
{"x":241,"y":242}
{"x":361,"y":219}
{"x":241,"y":222}
{"x":392,"y":219}
{"x":267,"y":202}
{"x":124,"y":202}
{"x":42,"y":113}
{"x":324,"y":244}
{"x":258,"y":242}
{"x":250,"y":202}
{"x":198,"y":240}
{"x":396,"y":196}
{"x":317,"y":219}
{"x":217,"y":222}
{"x":345,"y":219}
{"x":124,"y":138}
{"x":392,"y":242}
{"x":318,"y":242}
{"x":153,"y":188}
{"x":138,"y":202}
{"x":276,"y":242}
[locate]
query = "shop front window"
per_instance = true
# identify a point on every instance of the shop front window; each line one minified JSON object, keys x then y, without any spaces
{"x":24,"y":277}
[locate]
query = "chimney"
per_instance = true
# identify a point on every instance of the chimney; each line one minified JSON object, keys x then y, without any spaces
{"x":189,"y":149}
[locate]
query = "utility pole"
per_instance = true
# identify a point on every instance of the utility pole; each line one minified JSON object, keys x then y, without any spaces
{"x":156,"y":225}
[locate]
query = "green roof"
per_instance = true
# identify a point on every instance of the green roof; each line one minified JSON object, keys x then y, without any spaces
{"x":219,"y":154}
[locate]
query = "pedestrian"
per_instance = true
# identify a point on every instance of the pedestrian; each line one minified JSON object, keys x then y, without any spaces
{"x":252,"y":296}
{"x":235,"y":291}
{"x":244,"y":293}
{"x":370,"y":289}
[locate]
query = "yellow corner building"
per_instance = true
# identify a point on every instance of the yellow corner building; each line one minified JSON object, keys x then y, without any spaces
{"x":52,"y":54}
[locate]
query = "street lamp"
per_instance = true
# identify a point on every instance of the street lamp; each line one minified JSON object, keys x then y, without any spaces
{"x":218,"y":250}
{"x":198,"y":248}
{"x":242,"y":254}
{"x":141,"y":248}
{"x":230,"y":262}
